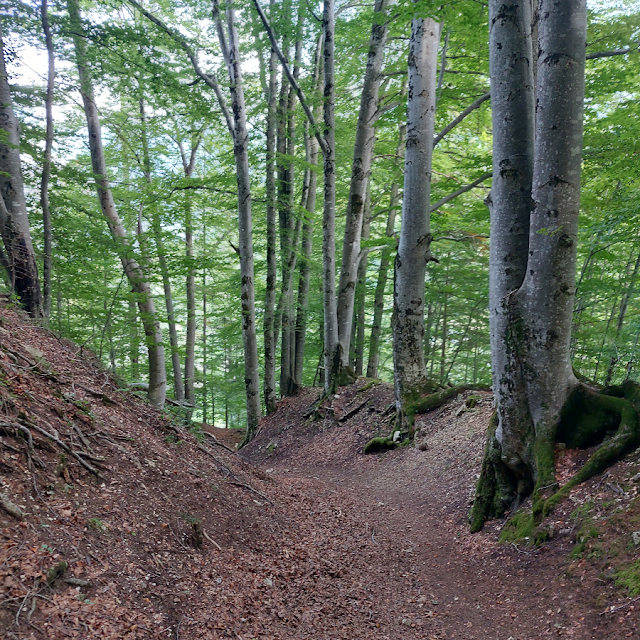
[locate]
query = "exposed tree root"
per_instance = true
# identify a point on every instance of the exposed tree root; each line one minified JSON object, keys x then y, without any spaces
{"x":609,"y":417}
{"x":429,"y":396}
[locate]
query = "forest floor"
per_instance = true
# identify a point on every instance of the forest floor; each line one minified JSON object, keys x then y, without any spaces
{"x":299,"y":536}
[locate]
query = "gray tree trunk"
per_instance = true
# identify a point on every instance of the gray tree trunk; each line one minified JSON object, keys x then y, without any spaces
{"x":513,"y":97}
{"x":385,"y":260}
{"x":188,"y":166}
{"x":290,"y":227}
{"x":135,"y":275}
{"x":547,"y":294}
{"x":359,"y":316}
{"x":310,"y":187}
{"x":332,"y":355}
{"x":178,"y":385}
{"x":360,"y":172}
{"x":245,"y":225}
{"x":415,"y":238}
{"x":14,"y":221}
{"x":533,"y":251}
{"x":270,"y":294}
{"x":46,"y":165}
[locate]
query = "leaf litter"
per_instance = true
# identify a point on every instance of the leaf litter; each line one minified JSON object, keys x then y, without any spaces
{"x":298,"y":536}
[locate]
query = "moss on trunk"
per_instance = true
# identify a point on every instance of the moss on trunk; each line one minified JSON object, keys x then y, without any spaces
{"x":608,"y":417}
{"x":428,"y":396}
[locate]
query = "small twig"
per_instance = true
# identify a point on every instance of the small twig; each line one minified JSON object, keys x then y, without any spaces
{"x":32,"y":610}
{"x":515,"y":546}
{"x":373,"y":539}
{"x":238,"y":483}
{"x":613,"y":609}
{"x":178,"y":628}
{"x":20,"y":609}
{"x":204,"y":533}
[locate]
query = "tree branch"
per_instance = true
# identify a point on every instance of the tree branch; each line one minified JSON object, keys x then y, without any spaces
{"x":461,"y":190}
{"x":285,"y":66}
{"x":184,"y":45}
{"x":456,"y":121}
{"x":610,"y":54}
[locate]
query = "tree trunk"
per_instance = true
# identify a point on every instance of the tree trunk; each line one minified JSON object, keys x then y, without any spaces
{"x":46,"y":165}
{"x":624,"y":305}
{"x":270,"y":294}
{"x":204,"y":348}
{"x":532,"y":270}
{"x":361,"y":292}
{"x":415,"y":238}
{"x":383,"y":271}
{"x":188,"y":166}
{"x":190,"y":346}
{"x":290,"y":227}
{"x":245,"y":226}
{"x":14,"y":222}
{"x":162,"y":262}
{"x":332,"y":355}
{"x":310,"y":189}
{"x":135,"y":275}
{"x":360,"y":172}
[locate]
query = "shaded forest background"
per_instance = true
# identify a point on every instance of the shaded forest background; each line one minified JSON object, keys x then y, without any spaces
{"x":151,"y":105}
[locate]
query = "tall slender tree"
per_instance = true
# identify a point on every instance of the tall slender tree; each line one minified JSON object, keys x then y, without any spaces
{"x":137,"y":279}
{"x":20,"y":260}
{"x":415,"y":236}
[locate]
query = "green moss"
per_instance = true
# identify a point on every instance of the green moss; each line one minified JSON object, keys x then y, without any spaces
{"x":56,"y":572}
{"x":496,"y":487}
{"x":519,"y":527}
{"x":381,"y":443}
{"x":372,"y":383}
{"x":629,"y":578}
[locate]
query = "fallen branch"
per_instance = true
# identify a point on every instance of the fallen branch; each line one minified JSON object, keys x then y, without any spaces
{"x":220,"y":444}
{"x":353,"y":412}
{"x":238,"y":483}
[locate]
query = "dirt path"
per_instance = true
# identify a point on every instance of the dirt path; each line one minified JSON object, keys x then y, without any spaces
{"x":422,"y":573}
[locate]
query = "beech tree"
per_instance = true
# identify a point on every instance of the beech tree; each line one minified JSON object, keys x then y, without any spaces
{"x":19,"y":260}
{"x":415,"y":238}
{"x":137,"y":279}
{"x":534,"y":207}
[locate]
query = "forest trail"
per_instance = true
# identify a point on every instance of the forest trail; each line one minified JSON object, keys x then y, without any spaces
{"x":425,"y":575}
{"x":300,"y":536}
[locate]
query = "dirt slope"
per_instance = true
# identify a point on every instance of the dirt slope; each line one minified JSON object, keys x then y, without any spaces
{"x":302,"y":537}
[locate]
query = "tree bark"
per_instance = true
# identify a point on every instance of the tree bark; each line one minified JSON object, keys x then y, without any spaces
{"x":383,"y":271}
{"x":361,"y":293}
{"x":178,"y":385}
{"x":270,"y":186}
{"x":14,"y":221}
{"x":290,"y":227}
{"x":135,"y":275}
{"x":360,"y":172}
{"x":513,"y":96}
{"x":533,"y":259}
{"x":415,"y":238}
{"x":46,"y":165}
{"x":310,"y":188}
{"x":245,"y":225}
{"x":188,"y":166}
{"x":332,"y":355}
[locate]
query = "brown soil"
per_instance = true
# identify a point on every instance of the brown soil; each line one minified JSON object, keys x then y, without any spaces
{"x":300,"y":537}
